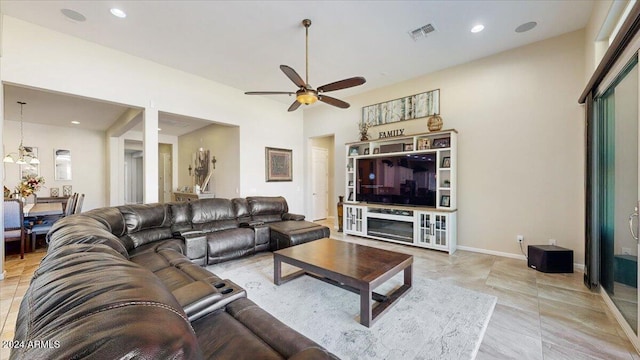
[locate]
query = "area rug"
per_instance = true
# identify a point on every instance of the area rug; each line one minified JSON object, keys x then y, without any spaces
{"x":432,"y":321}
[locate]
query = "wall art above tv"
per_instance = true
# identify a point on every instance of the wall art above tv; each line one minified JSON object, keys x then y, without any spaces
{"x":406,"y":108}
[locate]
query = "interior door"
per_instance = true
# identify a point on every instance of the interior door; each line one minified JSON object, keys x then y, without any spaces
{"x":320,"y":182}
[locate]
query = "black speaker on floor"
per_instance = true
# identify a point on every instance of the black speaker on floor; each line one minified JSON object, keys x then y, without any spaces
{"x":550,"y":258}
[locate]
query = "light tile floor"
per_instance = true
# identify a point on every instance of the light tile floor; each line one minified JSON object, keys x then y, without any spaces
{"x":538,"y":316}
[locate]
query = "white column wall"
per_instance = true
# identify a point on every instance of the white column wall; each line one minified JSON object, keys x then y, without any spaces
{"x":150,"y":143}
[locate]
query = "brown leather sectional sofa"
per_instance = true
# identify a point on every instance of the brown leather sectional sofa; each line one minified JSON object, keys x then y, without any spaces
{"x":127,"y":282}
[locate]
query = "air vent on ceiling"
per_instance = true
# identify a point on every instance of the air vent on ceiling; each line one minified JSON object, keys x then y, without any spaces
{"x":421,"y":32}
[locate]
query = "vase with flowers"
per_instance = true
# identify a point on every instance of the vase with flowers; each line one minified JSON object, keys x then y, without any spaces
{"x":29,"y":185}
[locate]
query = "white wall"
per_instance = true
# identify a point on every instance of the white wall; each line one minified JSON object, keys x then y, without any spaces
{"x":87,"y":158}
{"x":520,"y":154}
{"x":223,"y":143}
{"x":75,"y":66}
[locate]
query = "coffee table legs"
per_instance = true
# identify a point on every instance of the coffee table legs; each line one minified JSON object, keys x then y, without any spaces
{"x":369,"y":315}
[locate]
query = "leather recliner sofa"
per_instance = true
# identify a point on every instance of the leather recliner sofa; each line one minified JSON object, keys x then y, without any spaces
{"x":118,"y":282}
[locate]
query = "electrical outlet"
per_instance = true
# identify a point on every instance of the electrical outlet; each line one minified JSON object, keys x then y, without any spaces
{"x":520,"y":239}
{"x":552,"y":241}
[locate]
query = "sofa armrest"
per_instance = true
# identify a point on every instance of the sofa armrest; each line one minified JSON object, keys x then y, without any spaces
{"x":196,"y":245}
{"x":195,"y":297}
{"x":294,"y":217}
{"x":251,"y":224}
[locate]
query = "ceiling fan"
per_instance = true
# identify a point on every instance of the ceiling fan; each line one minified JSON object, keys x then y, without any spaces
{"x":306,"y":94}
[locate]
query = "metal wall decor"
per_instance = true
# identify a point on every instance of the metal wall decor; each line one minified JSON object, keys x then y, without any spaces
{"x":406,"y":108}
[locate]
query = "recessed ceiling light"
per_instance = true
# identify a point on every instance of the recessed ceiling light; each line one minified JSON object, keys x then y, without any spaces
{"x":74,"y":122}
{"x":118,"y":13}
{"x":73,"y":15}
{"x":477,"y":28}
{"x":526,"y":27}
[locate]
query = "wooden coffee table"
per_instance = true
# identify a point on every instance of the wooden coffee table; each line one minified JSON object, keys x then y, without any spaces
{"x":353,"y":267}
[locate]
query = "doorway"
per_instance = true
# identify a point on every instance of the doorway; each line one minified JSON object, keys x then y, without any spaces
{"x":321,"y":186}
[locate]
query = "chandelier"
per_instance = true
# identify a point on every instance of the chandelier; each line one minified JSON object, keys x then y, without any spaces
{"x":23,"y":156}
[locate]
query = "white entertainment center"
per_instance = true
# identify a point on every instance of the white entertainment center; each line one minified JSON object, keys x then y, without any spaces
{"x":403,"y":189}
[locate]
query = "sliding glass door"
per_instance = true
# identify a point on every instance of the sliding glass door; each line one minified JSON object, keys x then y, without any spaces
{"x":615,"y":168}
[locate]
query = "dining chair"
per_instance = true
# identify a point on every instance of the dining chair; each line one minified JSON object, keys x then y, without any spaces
{"x":71,"y":205}
{"x":14,"y":223}
{"x":78,"y":207}
{"x":48,"y":221}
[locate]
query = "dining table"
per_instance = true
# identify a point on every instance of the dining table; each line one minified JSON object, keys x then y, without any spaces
{"x":42,"y":209}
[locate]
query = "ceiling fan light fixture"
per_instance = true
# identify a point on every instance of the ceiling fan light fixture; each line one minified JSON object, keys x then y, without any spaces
{"x":307,"y":97}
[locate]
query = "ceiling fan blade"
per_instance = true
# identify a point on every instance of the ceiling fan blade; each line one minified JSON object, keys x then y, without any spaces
{"x":269,"y":93}
{"x":342,"y":84}
{"x":293,"y":75}
{"x":333,"y":101}
{"x":294,"y":106}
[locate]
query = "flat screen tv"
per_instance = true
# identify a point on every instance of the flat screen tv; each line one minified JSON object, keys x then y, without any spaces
{"x":399,"y":179}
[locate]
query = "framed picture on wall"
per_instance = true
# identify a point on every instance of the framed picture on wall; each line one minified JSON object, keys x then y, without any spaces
{"x":278,"y":164}
{"x":30,"y":169}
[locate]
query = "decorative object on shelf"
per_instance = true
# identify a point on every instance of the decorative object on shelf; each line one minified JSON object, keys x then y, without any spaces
{"x":340,"y":212}
{"x":54,"y":192}
{"x":278,"y":164}
{"x":364,"y":130}
{"x":350,"y":183}
{"x":447,"y":183}
{"x":24,"y":155}
{"x":376,"y":150}
{"x":446,"y":162}
{"x":408,"y":147}
{"x":434,"y":123}
{"x":353,"y":151}
{"x":350,"y":198}
{"x":445,"y":200}
{"x":406,"y":108}
{"x":424,"y":144}
{"x":366,"y":151}
{"x":29,"y":185}
{"x":442,"y":143}
{"x":7,"y":192}
{"x":67,"y":190}
{"x":62,"y":160}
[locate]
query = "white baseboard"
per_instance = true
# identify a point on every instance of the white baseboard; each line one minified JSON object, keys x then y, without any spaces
{"x":508,"y":255}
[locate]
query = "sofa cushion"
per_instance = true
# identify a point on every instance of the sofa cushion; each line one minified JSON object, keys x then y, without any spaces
{"x":96,"y":304}
{"x":241,"y":208}
{"x":229,"y":244}
{"x":80,"y":229}
{"x":110,"y":217}
{"x":146,"y":223}
{"x":181,"y":217}
{"x":213,"y":215}
{"x":267,"y":208}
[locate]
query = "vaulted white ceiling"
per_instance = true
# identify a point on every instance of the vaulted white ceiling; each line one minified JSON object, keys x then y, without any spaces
{"x":242,"y":43}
